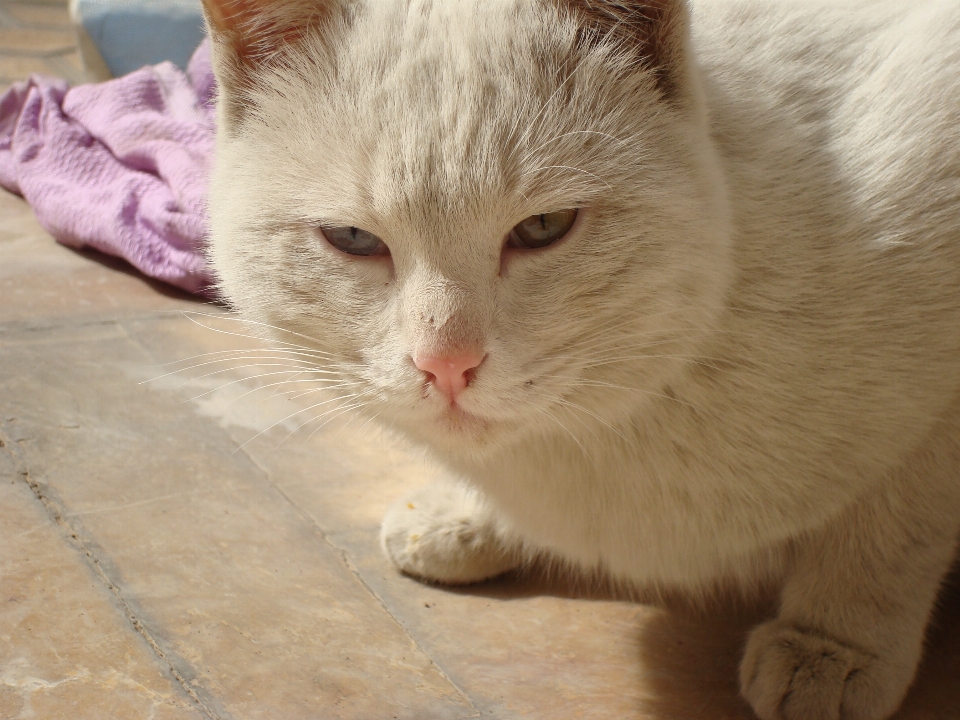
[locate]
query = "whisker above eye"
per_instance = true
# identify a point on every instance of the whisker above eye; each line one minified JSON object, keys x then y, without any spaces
{"x":542,"y":145}
{"x":568,"y":167}
{"x":546,"y":104}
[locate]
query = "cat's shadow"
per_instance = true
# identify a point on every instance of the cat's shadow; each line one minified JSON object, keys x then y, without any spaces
{"x":689,"y":657}
{"x":123,"y":267}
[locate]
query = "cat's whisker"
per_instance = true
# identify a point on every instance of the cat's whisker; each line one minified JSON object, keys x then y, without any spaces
{"x":284,"y":419}
{"x":551,"y":416}
{"x":540,"y":147}
{"x":579,"y":382}
{"x":569,"y":167}
{"x":292,"y":368}
{"x":286,"y":363}
{"x":344,"y":384}
{"x":188,"y":315}
{"x":613,"y":324}
{"x":369,"y":420}
{"x":343,"y":427}
{"x":257,"y":323}
{"x":621,"y":344}
{"x":586,"y":363}
{"x":339,"y":410}
{"x":610,"y":327}
{"x":569,"y":361}
{"x":281,"y":383}
{"x":354,"y":416}
{"x":240,"y":380}
{"x":289,"y":381}
{"x":574,"y":406}
{"x":227,"y":354}
{"x":536,"y":118}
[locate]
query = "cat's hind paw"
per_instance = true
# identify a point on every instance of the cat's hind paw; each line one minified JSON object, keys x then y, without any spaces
{"x":791,"y":674}
{"x":446,"y":533}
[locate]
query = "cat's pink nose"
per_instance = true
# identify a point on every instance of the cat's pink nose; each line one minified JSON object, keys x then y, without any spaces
{"x":449,"y":373}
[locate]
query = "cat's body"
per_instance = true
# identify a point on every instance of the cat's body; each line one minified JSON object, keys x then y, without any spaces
{"x":743,"y":363}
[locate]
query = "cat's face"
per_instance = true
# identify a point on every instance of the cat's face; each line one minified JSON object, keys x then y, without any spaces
{"x":438,"y":128}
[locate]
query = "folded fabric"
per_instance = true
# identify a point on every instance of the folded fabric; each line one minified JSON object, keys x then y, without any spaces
{"x":120,"y":166}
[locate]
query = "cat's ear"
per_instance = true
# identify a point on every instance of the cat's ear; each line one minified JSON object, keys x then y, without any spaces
{"x":250,"y":35}
{"x":655,"y":33}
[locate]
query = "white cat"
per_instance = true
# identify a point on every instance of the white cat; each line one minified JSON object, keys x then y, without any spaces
{"x":671,"y":291}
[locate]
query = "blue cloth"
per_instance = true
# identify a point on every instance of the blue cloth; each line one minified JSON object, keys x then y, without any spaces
{"x":134,"y":33}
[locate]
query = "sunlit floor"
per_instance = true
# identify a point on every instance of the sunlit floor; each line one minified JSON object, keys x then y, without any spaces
{"x":187,"y":545}
{"x":35,"y":37}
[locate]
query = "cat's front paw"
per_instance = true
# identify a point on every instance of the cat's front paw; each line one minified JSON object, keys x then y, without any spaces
{"x":791,"y":674}
{"x":446,"y":533}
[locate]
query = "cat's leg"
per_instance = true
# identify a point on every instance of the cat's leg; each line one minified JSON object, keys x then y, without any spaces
{"x":447,"y":533}
{"x":849,"y":635}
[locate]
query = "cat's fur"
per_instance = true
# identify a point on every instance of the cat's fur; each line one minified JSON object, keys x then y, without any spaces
{"x":742,"y":365}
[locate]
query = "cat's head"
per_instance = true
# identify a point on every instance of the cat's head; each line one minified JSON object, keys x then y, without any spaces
{"x":487,"y":219}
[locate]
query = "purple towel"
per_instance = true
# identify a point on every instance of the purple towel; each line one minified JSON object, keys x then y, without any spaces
{"x":119,"y":166}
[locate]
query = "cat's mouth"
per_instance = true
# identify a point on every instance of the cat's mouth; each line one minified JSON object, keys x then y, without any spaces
{"x":454,"y":419}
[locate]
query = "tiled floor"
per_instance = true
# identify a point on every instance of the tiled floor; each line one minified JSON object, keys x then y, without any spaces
{"x":165,"y":553}
{"x":35,"y":37}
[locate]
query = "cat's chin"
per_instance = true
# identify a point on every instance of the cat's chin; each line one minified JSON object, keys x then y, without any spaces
{"x":454,"y":429}
{"x":457,"y":422}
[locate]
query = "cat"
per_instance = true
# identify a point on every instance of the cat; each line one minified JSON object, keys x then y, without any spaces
{"x":670,"y":289}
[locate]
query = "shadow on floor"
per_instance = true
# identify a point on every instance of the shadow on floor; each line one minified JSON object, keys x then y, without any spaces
{"x":691,"y":655}
{"x":120,"y":265}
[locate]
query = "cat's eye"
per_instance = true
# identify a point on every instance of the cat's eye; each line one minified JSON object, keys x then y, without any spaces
{"x":354,"y":241}
{"x":538,"y":231}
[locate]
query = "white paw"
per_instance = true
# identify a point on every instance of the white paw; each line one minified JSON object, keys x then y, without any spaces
{"x":789,"y":674}
{"x":446,"y":533}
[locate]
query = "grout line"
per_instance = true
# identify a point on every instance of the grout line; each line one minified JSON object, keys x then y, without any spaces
{"x":67,"y":71}
{"x":21,"y":330}
{"x":38,"y":54}
{"x":356,"y":573}
{"x":55,"y":511}
{"x":6,"y":19}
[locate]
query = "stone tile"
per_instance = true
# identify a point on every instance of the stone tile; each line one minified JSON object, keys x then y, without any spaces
{"x":14,"y":67}
{"x":67,"y":652}
{"x":519,"y":648}
{"x":244,"y":595}
{"x":42,"y":15}
{"x":73,"y":61}
{"x":53,"y":3}
{"x":34,"y":40}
